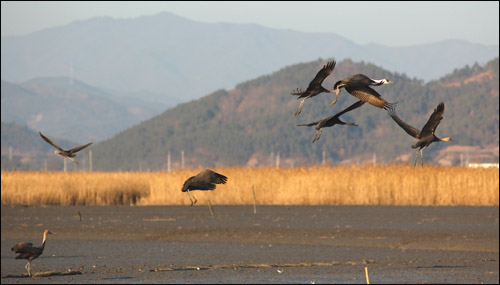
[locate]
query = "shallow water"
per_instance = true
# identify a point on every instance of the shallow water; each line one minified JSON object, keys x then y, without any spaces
{"x":119,"y":244}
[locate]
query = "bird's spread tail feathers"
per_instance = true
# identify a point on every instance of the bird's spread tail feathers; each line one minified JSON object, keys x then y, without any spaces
{"x":392,"y":112}
{"x":390,"y":107}
{"x":297,"y":92}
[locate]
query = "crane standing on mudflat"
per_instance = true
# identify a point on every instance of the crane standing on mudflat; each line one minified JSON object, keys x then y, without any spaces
{"x":26,"y":250}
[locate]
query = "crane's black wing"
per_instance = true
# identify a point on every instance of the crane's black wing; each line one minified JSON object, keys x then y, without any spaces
{"x":212,"y":177}
{"x":322,"y":74}
{"x":433,"y":121}
{"x":357,"y":80}
{"x":78,"y":148}
{"x":408,"y":129}
{"x":350,"y":108}
{"x":21,"y":245}
{"x":334,"y":117}
{"x":30,"y":250}
{"x":367,"y":94}
{"x":310,"y":124}
{"x":204,"y":180}
{"x":193,"y":185}
{"x":50,"y":142}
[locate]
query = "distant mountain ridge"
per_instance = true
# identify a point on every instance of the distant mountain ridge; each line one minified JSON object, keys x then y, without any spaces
{"x":70,"y":108}
{"x":175,"y":57}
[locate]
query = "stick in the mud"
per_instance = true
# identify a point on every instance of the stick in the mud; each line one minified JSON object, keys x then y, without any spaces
{"x":253,"y":191}
{"x":210,"y":208}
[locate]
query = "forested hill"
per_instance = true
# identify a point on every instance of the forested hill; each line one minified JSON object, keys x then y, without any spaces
{"x":252,"y":123}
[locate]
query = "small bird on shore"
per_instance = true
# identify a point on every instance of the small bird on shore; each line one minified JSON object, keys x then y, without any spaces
{"x":204,"y":180}
{"x":65,"y":153}
{"x":26,"y":250}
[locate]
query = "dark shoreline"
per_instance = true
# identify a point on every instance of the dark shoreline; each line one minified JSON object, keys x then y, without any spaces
{"x":121,"y":244}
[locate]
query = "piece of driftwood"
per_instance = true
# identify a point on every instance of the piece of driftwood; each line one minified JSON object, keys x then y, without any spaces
{"x":44,"y":274}
{"x":236,"y":266}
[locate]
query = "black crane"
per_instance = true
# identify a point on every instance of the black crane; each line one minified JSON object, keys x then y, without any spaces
{"x":333,"y":120}
{"x":26,"y":250}
{"x":425,"y":136}
{"x":358,"y":86}
{"x":204,"y":180}
{"x":65,"y":153}
{"x":315,"y":86}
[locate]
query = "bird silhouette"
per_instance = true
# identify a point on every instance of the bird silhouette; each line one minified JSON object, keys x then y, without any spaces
{"x":359,"y":86}
{"x":204,"y":180}
{"x":426,"y":136}
{"x":332,"y":120}
{"x":26,"y":250}
{"x":65,"y":153}
{"x":315,"y":86}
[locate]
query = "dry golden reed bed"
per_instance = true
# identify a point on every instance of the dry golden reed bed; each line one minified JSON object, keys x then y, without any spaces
{"x":341,"y":185}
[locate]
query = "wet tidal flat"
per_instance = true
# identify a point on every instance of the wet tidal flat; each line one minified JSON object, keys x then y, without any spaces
{"x":277,"y":244}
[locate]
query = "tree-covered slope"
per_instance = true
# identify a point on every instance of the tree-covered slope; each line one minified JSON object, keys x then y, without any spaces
{"x":244,"y":126}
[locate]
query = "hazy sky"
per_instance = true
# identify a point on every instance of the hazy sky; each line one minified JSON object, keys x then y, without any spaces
{"x":386,"y":23}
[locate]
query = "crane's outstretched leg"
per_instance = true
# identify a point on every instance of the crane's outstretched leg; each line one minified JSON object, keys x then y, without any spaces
{"x":191,"y":198}
{"x":74,"y":161}
{"x":416,"y":157}
{"x":422,"y":156}
{"x":28,"y":267}
{"x":318,"y":135}
{"x":300,"y":107}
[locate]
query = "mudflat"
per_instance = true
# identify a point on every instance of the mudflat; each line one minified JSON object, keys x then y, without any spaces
{"x":277,"y":244}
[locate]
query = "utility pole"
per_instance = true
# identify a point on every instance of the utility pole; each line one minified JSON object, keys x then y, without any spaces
{"x":168,"y":161}
{"x":182,"y":159}
{"x":90,"y":160}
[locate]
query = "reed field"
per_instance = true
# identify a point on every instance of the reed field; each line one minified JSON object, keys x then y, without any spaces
{"x":340,"y":185}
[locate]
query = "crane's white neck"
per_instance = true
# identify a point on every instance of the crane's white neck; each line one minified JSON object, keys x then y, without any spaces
{"x":380,"y":81}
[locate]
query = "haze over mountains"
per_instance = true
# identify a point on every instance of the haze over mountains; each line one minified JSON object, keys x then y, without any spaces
{"x":174,"y":57}
{"x":70,"y":108}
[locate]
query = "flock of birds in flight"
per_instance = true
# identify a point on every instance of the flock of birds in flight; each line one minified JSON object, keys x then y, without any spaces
{"x":357,"y":85}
